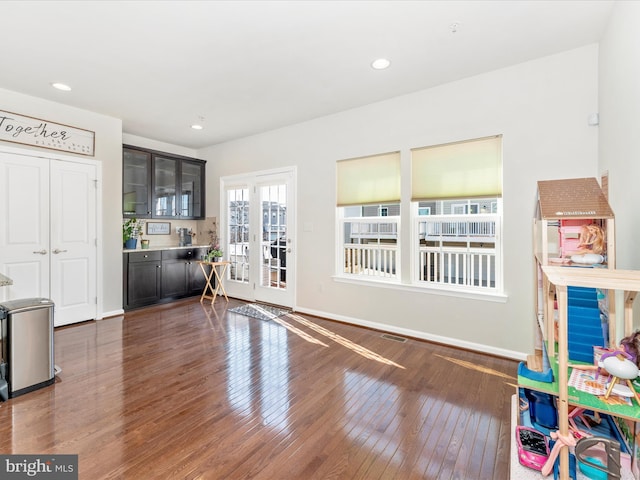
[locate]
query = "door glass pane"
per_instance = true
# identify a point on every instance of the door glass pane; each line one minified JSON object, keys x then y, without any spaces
{"x":274,"y":236}
{"x":190,"y":195}
{"x":135,"y":183}
{"x":238,"y":228}
{"x":165,"y":187}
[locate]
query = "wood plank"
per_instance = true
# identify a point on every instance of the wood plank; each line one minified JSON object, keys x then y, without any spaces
{"x":190,"y":390}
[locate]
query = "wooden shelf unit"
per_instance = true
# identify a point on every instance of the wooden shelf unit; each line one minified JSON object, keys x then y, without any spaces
{"x":559,"y":279}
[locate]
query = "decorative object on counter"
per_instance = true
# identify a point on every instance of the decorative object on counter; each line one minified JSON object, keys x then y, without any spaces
{"x":131,"y":230}
{"x":185,"y":236}
{"x":215,"y":252}
{"x":158,"y":228}
{"x":144,"y":244}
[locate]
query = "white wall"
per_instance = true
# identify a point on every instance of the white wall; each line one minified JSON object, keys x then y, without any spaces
{"x":142,"y":142}
{"x":619,"y":106}
{"x":619,"y":150}
{"x":540,"y":107}
{"x":108,"y":150}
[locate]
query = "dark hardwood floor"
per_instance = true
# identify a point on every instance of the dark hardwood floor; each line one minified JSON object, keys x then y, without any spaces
{"x":187,"y":391}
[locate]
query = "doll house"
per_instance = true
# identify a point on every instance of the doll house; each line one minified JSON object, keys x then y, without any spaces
{"x":574,"y":227}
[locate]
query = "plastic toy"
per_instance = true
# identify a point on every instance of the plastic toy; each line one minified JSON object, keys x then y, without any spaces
{"x":598,"y":463}
{"x":533,"y":447}
{"x":524,"y":371}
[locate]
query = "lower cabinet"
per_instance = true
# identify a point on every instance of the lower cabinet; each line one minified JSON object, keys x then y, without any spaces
{"x":161,"y":275}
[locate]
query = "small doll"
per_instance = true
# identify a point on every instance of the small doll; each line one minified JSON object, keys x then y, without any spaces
{"x":631,"y":346}
{"x":591,"y":245}
{"x":591,"y":240}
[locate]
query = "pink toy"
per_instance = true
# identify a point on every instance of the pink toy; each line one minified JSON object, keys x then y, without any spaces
{"x":533,"y":448}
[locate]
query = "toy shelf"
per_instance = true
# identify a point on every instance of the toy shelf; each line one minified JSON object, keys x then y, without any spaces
{"x":520,"y":472}
{"x":559,"y":279}
{"x":579,"y":398}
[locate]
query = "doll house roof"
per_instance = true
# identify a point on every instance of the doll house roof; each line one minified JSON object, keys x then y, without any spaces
{"x":572,"y":198}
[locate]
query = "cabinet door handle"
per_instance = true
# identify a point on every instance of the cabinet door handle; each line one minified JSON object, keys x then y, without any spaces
{"x":41,"y":252}
{"x":57,"y":250}
{"x":158,"y":266}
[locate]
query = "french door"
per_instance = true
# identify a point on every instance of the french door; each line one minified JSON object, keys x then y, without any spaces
{"x":258,"y":225}
{"x":48,"y":233}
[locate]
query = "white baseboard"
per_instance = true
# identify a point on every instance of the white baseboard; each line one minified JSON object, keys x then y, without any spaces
{"x":113,"y":313}
{"x":478,"y":347}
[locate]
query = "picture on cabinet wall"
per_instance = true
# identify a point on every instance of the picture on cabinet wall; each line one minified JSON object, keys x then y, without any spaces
{"x":158,"y":228}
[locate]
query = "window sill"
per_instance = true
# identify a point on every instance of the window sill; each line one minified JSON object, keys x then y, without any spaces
{"x":445,"y":291}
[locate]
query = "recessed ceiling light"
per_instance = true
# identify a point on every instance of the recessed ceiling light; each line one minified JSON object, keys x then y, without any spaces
{"x":197,"y":127}
{"x":61,"y":86}
{"x":380,"y":64}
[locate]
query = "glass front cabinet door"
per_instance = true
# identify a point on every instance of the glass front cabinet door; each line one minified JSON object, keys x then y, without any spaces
{"x":191,"y":189}
{"x":136,"y":181}
{"x":165,"y":172}
{"x":161,"y":185}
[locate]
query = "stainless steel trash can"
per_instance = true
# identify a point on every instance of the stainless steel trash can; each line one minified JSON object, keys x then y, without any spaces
{"x":27,"y":344}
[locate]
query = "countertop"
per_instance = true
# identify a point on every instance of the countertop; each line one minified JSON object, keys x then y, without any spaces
{"x":5,"y":281}
{"x":163,"y":247}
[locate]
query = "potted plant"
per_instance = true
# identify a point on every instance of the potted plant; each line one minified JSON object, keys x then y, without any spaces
{"x":215,"y":252}
{"x":131,"y":230}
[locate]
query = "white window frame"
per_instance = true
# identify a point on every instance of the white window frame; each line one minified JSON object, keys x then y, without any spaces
{"x":375,"y":261}
{"x":466,"y":262}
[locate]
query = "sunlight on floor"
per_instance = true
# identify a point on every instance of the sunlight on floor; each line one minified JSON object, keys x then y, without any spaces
{"x":473,"y":366}
{"x":342,"y":341}
{"x":302,"y":334}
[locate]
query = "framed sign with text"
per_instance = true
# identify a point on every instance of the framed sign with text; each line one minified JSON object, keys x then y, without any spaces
{"x":43,"y":133}
{"x":158,"y":228}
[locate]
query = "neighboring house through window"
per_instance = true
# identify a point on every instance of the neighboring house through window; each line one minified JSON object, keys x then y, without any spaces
{"x":455,"y":224}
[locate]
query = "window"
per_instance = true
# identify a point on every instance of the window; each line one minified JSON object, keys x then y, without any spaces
{"x":458,"y":245}
{"x":370,"y":241}
{"x":237,"y":244}
{"x":369,"y":209}
{"x":455,"y":217}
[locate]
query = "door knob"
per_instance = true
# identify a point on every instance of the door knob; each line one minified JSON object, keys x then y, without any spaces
{"x":57,"y":250}
{"x":41,"y":252}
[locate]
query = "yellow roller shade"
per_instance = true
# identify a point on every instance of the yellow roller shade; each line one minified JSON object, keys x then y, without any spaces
{"x":369,"y":180}
{"x":468,"y":169}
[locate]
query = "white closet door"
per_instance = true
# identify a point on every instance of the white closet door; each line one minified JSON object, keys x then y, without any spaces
{"x":24,"y":226}
{"x":73,"y":241}
{"x":48,"y":233}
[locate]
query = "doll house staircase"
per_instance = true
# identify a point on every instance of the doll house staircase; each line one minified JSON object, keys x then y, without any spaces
{"x":587,"y":323}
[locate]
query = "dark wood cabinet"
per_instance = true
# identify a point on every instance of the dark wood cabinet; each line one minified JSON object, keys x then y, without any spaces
{"x":136,"y":183}
{"x":160,"y":276}
{"x":142,"y":283}
{"x":161,"y":185}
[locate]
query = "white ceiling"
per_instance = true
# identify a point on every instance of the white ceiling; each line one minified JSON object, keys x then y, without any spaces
{"x":252,"y":66}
